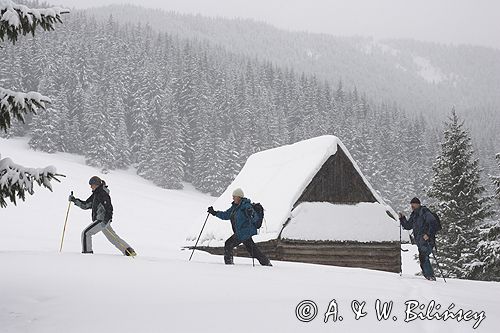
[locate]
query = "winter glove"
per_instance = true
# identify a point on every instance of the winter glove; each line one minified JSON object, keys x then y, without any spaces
{"x":212,"y":211}
{"x":71,"y":198}
{"x":412,"y":239}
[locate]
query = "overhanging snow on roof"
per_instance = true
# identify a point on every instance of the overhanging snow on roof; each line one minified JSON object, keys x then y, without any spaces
{"x":323,"y":221}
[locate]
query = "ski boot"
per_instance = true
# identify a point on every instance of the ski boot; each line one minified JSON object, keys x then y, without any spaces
{"x":129,"y":252}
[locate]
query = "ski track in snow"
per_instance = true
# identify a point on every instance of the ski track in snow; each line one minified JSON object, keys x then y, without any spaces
{"x":42,"y":290}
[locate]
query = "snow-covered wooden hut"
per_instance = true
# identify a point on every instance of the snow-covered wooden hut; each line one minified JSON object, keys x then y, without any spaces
{"x":319,"y":208}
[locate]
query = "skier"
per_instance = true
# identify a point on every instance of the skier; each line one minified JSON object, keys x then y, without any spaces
{"x":421,"y":221}
{"x":240,"y":214}
{"x":102,"y":213}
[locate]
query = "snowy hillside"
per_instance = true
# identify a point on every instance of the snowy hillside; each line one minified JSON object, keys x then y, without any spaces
{"x":42,"y":290}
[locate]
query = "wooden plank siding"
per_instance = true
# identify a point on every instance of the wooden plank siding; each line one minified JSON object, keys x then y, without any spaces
{"x":383,"y":256}
{"x":337,"y":182}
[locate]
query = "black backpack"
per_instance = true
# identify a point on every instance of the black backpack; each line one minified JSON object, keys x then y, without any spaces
{"x":436,"y":226}
{"x":259,"y":211}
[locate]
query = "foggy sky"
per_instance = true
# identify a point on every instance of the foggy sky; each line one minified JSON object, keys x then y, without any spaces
{"x":447,"y":21}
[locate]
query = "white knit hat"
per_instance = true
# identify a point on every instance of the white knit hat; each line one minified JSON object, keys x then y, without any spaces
{"x":238,"y":193}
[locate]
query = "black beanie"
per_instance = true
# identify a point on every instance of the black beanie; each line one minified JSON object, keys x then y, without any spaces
{"x":415,"y":200}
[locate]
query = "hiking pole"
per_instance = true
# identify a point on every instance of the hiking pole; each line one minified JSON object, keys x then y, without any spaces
{"x":401,"y":248}
{"x":400,"y":227}
{"x":440,"y":270}
{"x":65,"y":222}
{"x":194,"y":248}
{"x":253,"y":258}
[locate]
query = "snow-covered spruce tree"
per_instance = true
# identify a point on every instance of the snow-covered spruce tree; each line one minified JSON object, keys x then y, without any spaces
{"x":188,"y":97}
{"x":15,"y":20}
{"x":169,"y":163}
{"x":139,"y":122}
{"x":146,"y":156}
{"x":488,"y":251}
{"x":45,"y":133}
{"x":487,"y":267}
{"x":98,"y":150}
{"x":203,"y":157}
{"x":231,"y":159}
{"x":209,"y":163}
{"x":458,"y":197}
{"x":496,"y":179}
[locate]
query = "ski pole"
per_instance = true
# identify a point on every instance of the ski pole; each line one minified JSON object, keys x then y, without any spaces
{"x":253,"y":258}
{"x":401,"y":248}
{"x":194,"y":248}
{"x":65,"y":222}
{"x":400,"y":228}
{"x":440,"y":270}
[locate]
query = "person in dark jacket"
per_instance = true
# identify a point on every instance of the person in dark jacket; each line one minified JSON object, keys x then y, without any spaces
{"x":421,"y":221}
{"x":241,"y":215}
{"x":102,"y":214}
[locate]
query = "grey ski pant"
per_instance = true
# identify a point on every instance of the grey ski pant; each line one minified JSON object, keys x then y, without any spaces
{"x":106,"y":229}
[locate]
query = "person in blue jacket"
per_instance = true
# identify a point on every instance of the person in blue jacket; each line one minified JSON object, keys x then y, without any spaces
{"x":241,"y":214}
{"x":421,"y":221}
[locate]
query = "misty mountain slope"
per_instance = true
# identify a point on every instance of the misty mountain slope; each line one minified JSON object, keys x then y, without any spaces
{"x":420,"y":76}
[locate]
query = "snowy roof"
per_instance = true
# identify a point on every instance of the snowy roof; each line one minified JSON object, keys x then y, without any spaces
{"x":276,"y":178}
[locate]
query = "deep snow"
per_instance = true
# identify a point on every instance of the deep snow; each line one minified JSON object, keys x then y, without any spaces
{"x":42,"y":290}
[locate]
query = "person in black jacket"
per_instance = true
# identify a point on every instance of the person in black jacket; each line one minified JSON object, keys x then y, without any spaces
{"x":421,"y":221}
{"x":102,"y":214}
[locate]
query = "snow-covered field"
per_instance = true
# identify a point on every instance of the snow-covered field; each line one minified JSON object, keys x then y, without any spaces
{"x":42,"y":290}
